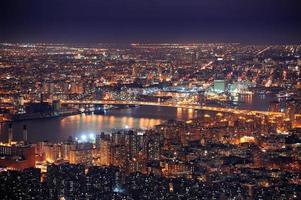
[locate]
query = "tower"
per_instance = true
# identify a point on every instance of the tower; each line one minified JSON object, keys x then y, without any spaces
{"x":10,"y":134}
{"x":25,"y":134}
{"x":133,"y":144}
{"x":134,"y":70}
{"x":153,"y":146}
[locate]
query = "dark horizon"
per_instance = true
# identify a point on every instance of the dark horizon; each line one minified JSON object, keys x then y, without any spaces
{"x":133,"y":21}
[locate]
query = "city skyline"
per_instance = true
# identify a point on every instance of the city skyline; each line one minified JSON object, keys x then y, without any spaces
{"x":150,"y":121}
{"x":150,"y":99}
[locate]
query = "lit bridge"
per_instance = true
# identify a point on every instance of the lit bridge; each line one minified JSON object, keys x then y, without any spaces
{"x":177,"y":105}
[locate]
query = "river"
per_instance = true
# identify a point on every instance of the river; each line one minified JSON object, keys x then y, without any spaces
{"x":58,"y":129}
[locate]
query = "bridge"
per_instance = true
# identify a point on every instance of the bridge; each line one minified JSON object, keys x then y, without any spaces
{"x":171,"y":104}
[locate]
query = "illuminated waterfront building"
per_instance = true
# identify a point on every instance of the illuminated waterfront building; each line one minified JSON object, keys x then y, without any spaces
{"x":17,"y":157}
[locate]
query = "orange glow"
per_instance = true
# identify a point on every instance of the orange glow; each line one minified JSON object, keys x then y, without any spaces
{"x":247,"y":139}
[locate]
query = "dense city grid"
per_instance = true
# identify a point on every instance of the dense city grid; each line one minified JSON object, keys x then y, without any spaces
{"x":226,"y":152}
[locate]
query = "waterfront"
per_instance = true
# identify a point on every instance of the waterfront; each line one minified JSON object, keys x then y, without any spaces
{"x":228,"y":116}
{"x":57,"y":129}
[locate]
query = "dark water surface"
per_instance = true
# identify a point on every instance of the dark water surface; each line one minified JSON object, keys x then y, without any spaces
{"x":57,"y":129}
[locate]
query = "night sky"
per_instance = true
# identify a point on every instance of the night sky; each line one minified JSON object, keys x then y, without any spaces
{"x":89,"y":21}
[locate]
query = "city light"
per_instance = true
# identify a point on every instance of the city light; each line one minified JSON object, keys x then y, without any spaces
{"x":91,"y":136}
{"x":205,"y":104}
{"x":155,"y":120}
{"x":83,"y":138}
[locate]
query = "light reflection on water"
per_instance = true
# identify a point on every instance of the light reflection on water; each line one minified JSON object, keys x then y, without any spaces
{"x":57,"y":129}
{"x":103,"y":122}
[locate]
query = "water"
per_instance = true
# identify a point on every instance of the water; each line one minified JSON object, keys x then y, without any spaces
{"x":255,"y":102}
{"x":58,"y":129}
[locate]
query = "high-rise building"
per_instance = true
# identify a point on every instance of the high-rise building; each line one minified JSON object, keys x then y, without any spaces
{"x":133,"y":144}
{"x":25,"y":134}
{"x":81,"y":156}
{"x":10,"y":134}
{"x":66,"y":148}
{"x":103,"y":151}
{"x":219,"y":86}
{"x":134,"y":70}
{"x":52,"y":152}
{"x":119,"y":155}
{"x":153,"y":146}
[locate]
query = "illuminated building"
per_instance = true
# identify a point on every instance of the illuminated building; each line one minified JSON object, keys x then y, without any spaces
{"x":64,"y":181}
{"x":225,"y":153}
{"x":247,"y":139}
{"x":153,"y":146}
{"x":274,"y":106}
{"x":10,"y":134}
{"x":76,"y":88}
{"x":219,"y":86}
{"x":25,"y":184}
{"x":133,"y":143}
{"x":17,"y":157}
{"x":52,"y":152}
{"x":66,"y":148}
{"x":119,"y":156}
{"x":81,"y":156}
{"x":134,"y":70}
{"x":103,"y":150}
{"x":176,"y":169}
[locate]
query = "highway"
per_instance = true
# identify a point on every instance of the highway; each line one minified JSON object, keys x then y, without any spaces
{"x":262,"y":51}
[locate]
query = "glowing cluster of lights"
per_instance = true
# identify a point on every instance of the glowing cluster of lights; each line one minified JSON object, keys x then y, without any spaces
{"x":86,"y":138}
